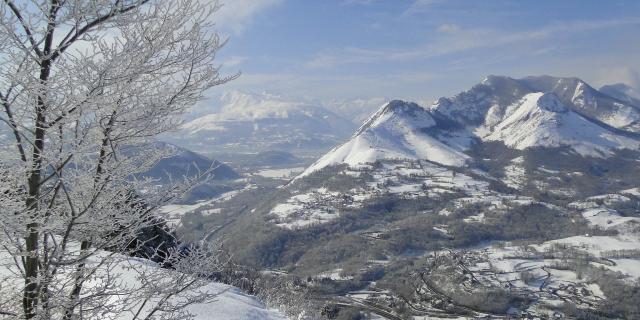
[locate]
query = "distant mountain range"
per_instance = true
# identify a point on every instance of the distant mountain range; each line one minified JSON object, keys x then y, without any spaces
{"x":249,"y":122}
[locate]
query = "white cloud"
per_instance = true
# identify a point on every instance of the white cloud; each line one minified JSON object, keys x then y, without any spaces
{"x":420,"y":6}
{"x":624,"y":74}
{"x":448,"y":28}
{"x":397,"y":84}
{"x":457,"y":39}
{"x":348,"y":2}
{"x":233,"y":61}
{"x":237,"y":15}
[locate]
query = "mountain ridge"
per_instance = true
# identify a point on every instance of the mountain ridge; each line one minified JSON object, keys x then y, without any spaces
{"x":540,"y":111}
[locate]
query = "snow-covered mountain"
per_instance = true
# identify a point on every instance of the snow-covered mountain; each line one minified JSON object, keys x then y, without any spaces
{"x":399,"y":130}
{"x":521,"y":113}
{"x":542,"y":120}
{"x":250,"y":122}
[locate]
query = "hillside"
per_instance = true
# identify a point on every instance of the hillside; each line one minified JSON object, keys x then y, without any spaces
{"x":513,"y":189}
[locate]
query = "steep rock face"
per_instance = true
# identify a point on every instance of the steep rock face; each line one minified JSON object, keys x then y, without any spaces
{"x":521,"y":113}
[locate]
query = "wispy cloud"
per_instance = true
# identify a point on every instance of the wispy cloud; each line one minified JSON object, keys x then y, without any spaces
{"x":448,"y":28}
{"x":421,"y":6}
{"x":624,"y":74}
{"x":396,"y":84}
{"x":349,"y":2}
{"x":233,"y":61}
{"x":237,"y":15}
{"x":453,"y":39}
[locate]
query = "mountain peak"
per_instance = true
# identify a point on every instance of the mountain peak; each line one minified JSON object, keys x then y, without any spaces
{"x":402,"y":108}
{"x":542,"y":111}
{"x":401,"y":113}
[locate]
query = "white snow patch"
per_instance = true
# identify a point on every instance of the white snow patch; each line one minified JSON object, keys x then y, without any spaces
{"x":607,"y":218}
{"x":280,"y":173}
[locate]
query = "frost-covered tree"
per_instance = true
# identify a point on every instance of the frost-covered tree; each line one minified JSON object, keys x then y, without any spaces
{"x":84,"y":86}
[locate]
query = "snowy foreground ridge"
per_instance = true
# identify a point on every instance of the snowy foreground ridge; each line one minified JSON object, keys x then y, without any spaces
{"x":233,"y":304}
{"x":230,"y":303}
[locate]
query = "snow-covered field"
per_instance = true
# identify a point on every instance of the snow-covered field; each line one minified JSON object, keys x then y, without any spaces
{"x":280,"y":173}
{"x":229,"y":303}
{"x":173,"y":213}
{"x":406,"y":179}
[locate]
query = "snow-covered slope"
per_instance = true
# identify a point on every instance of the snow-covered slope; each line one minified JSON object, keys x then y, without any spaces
{"x":397,"y":131}
{"x":229,"y":303}
{"x":521,"y":113}
{"x":588,"y":101}
{"x":541,"y":120}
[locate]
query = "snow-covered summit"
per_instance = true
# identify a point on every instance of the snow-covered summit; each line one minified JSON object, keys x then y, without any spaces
{"x":398,"y":130}
{"x":521,"y":113}
{"x":542,"y":120}
{"x":499,"y":91}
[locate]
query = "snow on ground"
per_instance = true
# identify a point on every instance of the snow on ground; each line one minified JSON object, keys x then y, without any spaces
{"x":627,"y":266}
{"x":597,"y":244}
{"x":607,"y":218}
{"x":442,"y":229}
{"x":633,"y":192}
{"x":335,"y":274}
{"x":425,"y":178}
{"x":475,"y":218}
{"x":515,"y":174}
{"x":394,"y":132}
{"x":406,"y":178}
{"x":280,"y":173}
{"x":233,"y":304}
{"x":611,"y":199}
{"x":174,"y":212}
{"x":306,"y":209}
{"x":229,"y":304}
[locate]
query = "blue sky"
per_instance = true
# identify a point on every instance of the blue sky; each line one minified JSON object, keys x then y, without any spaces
{"x":423,"y":49}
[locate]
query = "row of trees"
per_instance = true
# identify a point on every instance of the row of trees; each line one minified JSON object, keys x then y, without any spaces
{"x":81,"y":83}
